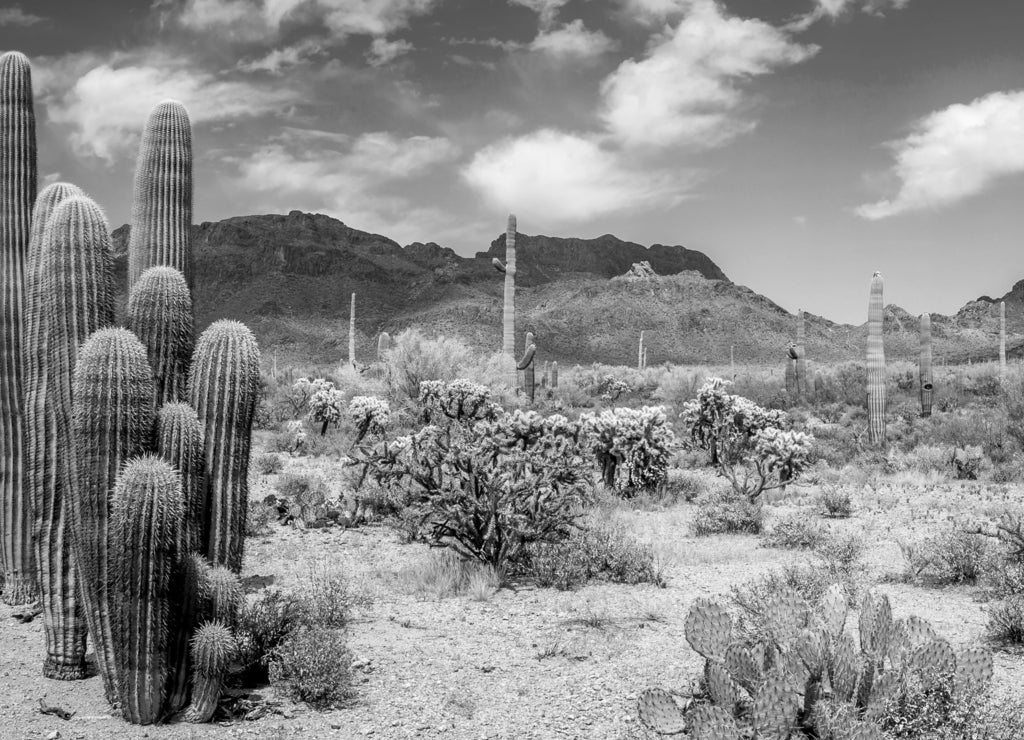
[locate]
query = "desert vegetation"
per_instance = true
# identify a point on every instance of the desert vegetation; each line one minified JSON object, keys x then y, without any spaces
{"x":431,"y":541}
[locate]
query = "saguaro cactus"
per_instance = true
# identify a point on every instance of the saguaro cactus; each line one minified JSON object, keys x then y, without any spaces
{"x":112,"y":422}
{"x":160,"y":314}
{"x":526,"y":364}
{"x":554,"y":373}
{"x":161,"y":231}
{"x":352,"y":332}
{"x":147,"y":509}
{"x":383,"y":345}
{"x":640,"y":353}
{"x":1002,"y":341}
{"x":801,"y":355}
{"x":508,"y":318}
{"x":75,"y":280}
{"x":925,"y":365}
{"x":17,"y":194}
{"x":223,"y":388}
{"x":876,"y":364}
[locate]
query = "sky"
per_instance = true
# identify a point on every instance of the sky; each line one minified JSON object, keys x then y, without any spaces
{"x":801,"y":144}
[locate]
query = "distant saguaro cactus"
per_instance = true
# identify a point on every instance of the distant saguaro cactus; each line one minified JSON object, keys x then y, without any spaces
{"x":224,"y":388}
{"x":161,"y":232}
{"x":876,"y":363}
{"x":147,"y":509}
{"x":554,"y":373}
{"x":801,"y":356}
{"x":925,"y":365}
{"x":508,"y":320}
{"x":17,"y":195}
{"x":383,"y":345}
{"x":75,"y":280}
{"x":160,"y":314}
{"x":640,"y":353}
{"x":527,"y":365}
{"x":112,"y":422}
{"x":352,"y":333}
{"x":791,"y":355}
{"x":1002,"y":341}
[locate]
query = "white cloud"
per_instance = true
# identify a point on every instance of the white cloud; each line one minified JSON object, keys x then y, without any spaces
{"x":835,"y":9}
{"x":686,"y":90}
{"x":18,"y":17}
{"x":106,"y":102}
{"x":546,"y":9}
{"x":350,"y":178}
{"x":253,"y":19}
{"x":572,"y":41}
{"x":277,"y":61}
{"x":562,"y":176}
{"x":384,"y":52}
{"x":955,"y":153}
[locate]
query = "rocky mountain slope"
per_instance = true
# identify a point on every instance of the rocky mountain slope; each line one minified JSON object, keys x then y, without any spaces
{"x":290,"y":278}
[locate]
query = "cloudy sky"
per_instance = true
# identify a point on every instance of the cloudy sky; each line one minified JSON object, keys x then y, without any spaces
{"x":802,"y":144}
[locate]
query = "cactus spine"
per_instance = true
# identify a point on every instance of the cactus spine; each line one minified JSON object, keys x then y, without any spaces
{"x":527,"y":366}
{"x":1002,"y":341}
{"x":508,"y":317}
{"x":76,"y":277}
{"x":925,"y":365}
{"x":161,"y":232}
{"x":146,"y":511}
{"x":223,"y":388}
{"x":112,"y":422}
{"x":17,"y":194}
{"x":160,"y":314}
{"x":876,"y":364}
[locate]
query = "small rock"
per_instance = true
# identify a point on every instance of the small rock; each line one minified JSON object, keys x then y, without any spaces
{"x":55,"y":735}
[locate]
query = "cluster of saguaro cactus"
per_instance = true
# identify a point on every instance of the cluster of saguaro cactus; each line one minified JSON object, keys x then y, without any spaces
{"x":925,"y":365}
{"x":528,"y":366}
{"x":508,"y":318}
{"x":136,"y":448}
{"x":876,"y":363}
{"x":806,"y":670}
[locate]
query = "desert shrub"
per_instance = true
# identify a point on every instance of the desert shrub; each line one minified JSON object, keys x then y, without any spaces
{"x":924,"y":458}
{"x":836,"y":500}
{"x":632,"y":447}
{"x":258,"y":516}
{"x":796,"y":531}
{"x":959,"y":556}
{"x":292,"y":440}
{"x":262,"y":625}
{"x":415,"y":357}
{"x":843,"y":383}
{"x":325,"y":596}
{"x":314,"y":665}
{"x":726,"y":512}
{"x":597,"y":552}
{"x":445,"y":574}
{"x":1006,"y":620}
{"x":980,"y":718}
{"x":687,"y":485}
{"x":966,"y":462}
{"x":488,"y":488}
{"x":268,"y":463}
{"x":304,"y":495}
{"x":840,"y":558}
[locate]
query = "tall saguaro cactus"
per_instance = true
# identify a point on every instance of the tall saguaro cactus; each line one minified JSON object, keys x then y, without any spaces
{"x":527,"y":365}
{"x":224,"y":388}
{"x":161,"y":231}
{"x":112,"y":422}
{"x":352,"y":332}
{"x":640,"y":353}
{"x":1002,"y":341}
{"x":801,"y":356}
{"x":160,"y":314}
{"x":925,"y":365}
{"x":876,"y":363}
{"x":17,"y":194}
{"x":76,"y":277}
{"x":508,"y":316}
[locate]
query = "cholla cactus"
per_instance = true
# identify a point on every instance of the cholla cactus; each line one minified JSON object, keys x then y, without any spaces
{"x":325,"y":407}
{"x":724,"y":424}
{"x":804,"y":669}
{"x":369,"y":414}
{"x":460,"y":400}
{"x":632,"y":446}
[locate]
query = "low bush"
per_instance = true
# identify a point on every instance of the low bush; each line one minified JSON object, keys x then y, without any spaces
{"x":598,"y":552}
{"x":1006,"y":621}
{"x":796,"y":531}
{"x":836,"y":501}
{"x":314,"y":665}
{"x":726,"y":512}
{"x":269,"y":463}
{"x":445,"y":574}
